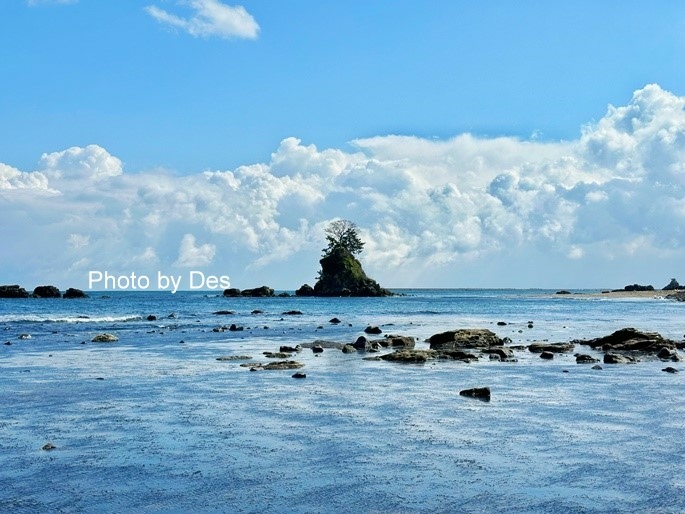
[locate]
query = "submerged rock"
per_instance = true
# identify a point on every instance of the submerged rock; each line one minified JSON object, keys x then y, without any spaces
{"x":551,"y":347}
{"x":614,"y":358}
{"x":373,"y":330}
{"x":283,"y":365}
{"x":409,"y":356}
{"x":234,"y":358}
{"x":670,"y":370}
{"x":105,"y":338}
{"x":585,"y":359}
{"x":299,"y":374}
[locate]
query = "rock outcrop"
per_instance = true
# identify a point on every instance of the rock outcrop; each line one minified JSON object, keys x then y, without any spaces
{"x":630,"y":340}
{"x":258,"y":292}
{"x":342,"y":275}
{"x":673,"y":285}
{"x":13,"y":291}
{"x":476,"y":338}
{"x":74,"y":293}
{"x":305,"y":290}
{"x":634,"y":287}
{"x":46,"y":292}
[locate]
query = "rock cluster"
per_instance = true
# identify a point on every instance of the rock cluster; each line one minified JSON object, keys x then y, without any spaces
{"x":257,"y":292}
{"x":628,"y":344}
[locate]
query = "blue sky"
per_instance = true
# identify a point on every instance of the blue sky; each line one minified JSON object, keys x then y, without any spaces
{"x":159,"y":92}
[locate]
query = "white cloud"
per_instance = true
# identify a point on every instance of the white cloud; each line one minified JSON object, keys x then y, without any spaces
{"x":210,"y":18}
{"x":12,"y":178}
{"x":92,"y":162}
{"x":425,"y":208}
{"x":190,"y":255}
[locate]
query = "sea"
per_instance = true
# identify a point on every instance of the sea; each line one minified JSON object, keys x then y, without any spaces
{"x":155,"y":423}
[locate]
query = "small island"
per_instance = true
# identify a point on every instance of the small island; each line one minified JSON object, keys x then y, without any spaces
{"x":341,"y":272}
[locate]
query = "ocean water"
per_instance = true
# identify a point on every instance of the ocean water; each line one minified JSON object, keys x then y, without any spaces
{"x":154,"y":423}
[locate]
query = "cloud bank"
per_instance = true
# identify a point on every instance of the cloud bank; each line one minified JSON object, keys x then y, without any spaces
{"x":210,"y":18}
{"x":434,"y":213}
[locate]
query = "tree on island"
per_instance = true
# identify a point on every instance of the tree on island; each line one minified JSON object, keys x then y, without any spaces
{"x":343,"y":234}
{"x":341,"y":273}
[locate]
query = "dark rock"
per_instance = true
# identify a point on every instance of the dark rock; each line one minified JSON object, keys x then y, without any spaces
{"x":348,"y":348}
{"x":105,"y":338}
{"x":551,"y":347}
{"x":410,"y":356}
{"x":291,"y":349}
{"x":258,"y":292}
{"x":457,"y":355}
{"x":530,"y":325}
{"x":151,"y":317}
{"x":74,"y":293}
{"x":342,"y":275}
{"x":47,"y":292}
{"x":391,"y":341}
{"x":501,"y":323}
{"x":373,"y":330}
{"x":276,"y":355}
{"x":324,"y":344}
{"x":465,"y":338}
{"x":585,"y":359}
{"x":283,"y":365}
{"x":232,"y":292}
{"x":305,"y":290}
{"x":234,"y":358}
{"x":335,"y":321}
{"x":546,"y":355}
{"x":292,"y":313}
{"x":597,"y":367}
{"x":630,"y":340}
{"x":361,"y":343}
{"x":481,"y":393}
{"x":673,"y":285}
{"x":235,"y":328}
{"x":563,"y":291}
{"x":614,"y":358}
{"x":670,"y":370}
{"x":667,"y":354}
{"x":317,"y":348}
{"x":679,"y":297}
{"x":634,"y":287}
{"x":299,"y":374}
{"x":501,"y":352}
{"x":48,"y":447}
{"x":223,"y":313}
{"x":13,"y":291}
{"x":257,"y":311}
{"x":283,"y":294}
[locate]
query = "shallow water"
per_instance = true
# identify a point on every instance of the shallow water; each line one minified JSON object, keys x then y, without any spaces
{"x":152,"y":424}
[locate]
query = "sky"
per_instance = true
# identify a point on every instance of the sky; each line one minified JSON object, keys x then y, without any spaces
{"x":474,"y":144}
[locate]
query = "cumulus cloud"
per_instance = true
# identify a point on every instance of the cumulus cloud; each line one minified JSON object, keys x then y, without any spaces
{"x":190,"y":255}
{"x":90,"y":163}
{"x":210,"y":18}
{"x":425,"y":208}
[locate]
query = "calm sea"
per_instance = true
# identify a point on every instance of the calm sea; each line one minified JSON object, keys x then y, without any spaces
{"x":154,"y":423}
